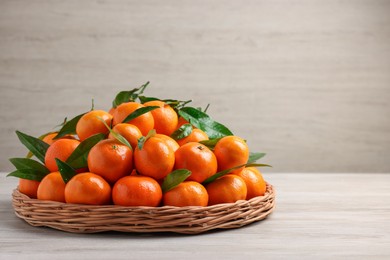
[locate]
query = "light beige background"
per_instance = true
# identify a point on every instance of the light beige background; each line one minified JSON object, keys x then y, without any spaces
{"x":306,"y":81}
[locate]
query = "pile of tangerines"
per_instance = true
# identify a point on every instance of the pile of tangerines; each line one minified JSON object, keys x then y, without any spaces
{"x":142,"y":152}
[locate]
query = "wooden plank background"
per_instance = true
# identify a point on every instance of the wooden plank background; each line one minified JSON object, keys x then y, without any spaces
{"x":306,"y":81}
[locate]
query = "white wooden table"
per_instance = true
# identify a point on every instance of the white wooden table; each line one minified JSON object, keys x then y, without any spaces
{"x":318,"y":216}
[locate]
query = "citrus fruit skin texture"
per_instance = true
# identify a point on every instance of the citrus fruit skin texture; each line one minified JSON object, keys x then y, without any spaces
{"x":226,"y":189}
{"x":196,"y":135}
{"x":165,"y":117}
{"x":61,"y":149}
{"x":137,"y":191}
{"x":197,"y":158}
{"x":231,"y":151}
{"x":110,"y":159}
{"x":169,"y":141}
{"x":52,"y":187}
{"x":130,"y":132}
{"x":187,"y":193}
{"x":254,"y":181}
{"x":29,"y":187}
{"x":144,"y":122}
{"x":88,"y":188}
{"x":90,"y":124}
{"x":156,"y":159}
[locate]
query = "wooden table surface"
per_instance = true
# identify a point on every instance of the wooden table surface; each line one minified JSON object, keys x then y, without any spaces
{"x":318,"y":216}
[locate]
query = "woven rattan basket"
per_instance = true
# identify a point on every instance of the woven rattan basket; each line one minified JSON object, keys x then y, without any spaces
{"x":187,"y":220}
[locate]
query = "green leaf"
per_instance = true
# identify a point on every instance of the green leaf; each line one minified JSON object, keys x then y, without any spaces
{"x":144,"y":99}
{"x":127,"y":96}
{"x":121,"y":139}
{"x":202,"y":121}
{"x":29,"y":154}
{"x":69,"y":127}
{"x":210,"y":143}
{"x":123,"y":97}
{"x":227,"y":171}
{"x":27,"y":163}
{"x":143,"y":139}
{"x":183,"y":131}
{"x":116,"y":135}
{"x":36,"y":146}
{"x":67,"y":172}
{"x":29,"y":174}
{"x":138,"y":112}
{"x":253,"y":157}
{"x":78,"y":158}
{"x":177,"y":104}
{"x":174,"y":178}
{"x":28,"y":169}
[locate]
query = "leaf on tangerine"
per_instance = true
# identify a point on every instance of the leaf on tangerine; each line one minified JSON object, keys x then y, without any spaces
{"x":27,"y":163}
{"x":36,"y":146}
{"x":143,"y":139}
{"x":116,"y":135}
{"x":227,"y":171}
{"x":182,"y":132}
{"x":210,"y":143}
{"x":30,"y":154}
{"x":253,"y":157}
{"x":67,"y":171}
{"x":78,"y":158}
{"x":69,"y":127}
{"x":29,"y":174}
{"x":174,"y":178}
{"x":202,"y":121}
{"x":127,"y":96}
{"x":138,"y":112}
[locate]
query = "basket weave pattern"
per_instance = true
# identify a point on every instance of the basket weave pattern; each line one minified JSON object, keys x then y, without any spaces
{"x":186,"y":220}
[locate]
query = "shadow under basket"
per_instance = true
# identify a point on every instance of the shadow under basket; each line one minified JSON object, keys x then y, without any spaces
{"x":78,"y":218}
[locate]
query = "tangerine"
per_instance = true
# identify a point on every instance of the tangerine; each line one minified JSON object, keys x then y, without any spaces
{"x":156,"y":159}
{"x":111,"y":111}
{"x":110,"y":159}
{"x":88,"y":188}
{"x":90,"y":124}
{"x":61,"y":149}
{"x":197,"y":158}
{"x":52,"y":187}
{"x":226,"y":189}
{"x":137,"y":191}
{"x":144,"y":122}
{"x":196,"y":135}
{"x":130,"y":132}
{"x":29,"y":187}
{"x":165,"y":117}
{"x":254,"y":182}
{"x":231,"y":151}
{"x":187,"y":193}
{"x":169,"y":141}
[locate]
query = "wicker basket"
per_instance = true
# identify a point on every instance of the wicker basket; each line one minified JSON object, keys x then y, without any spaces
{"x":187,"y":220}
